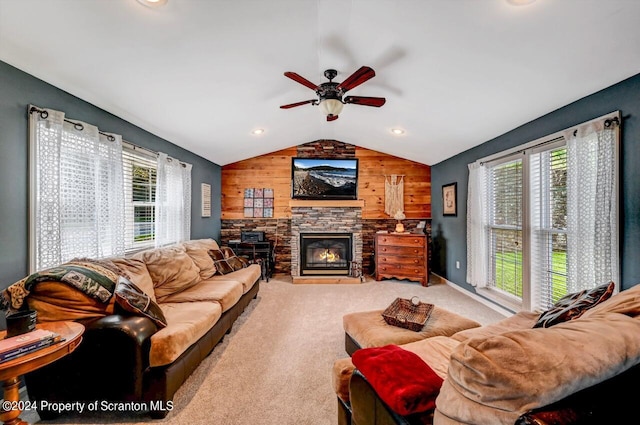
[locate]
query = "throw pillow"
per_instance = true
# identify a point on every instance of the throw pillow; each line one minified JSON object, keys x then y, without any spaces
{"x":227,"y":251}
{"x":133,"y":300}
{"x":216,"y":254}
{"x":574,"y":305}
{"x":235,"y":263}
{"x":223,"y":267}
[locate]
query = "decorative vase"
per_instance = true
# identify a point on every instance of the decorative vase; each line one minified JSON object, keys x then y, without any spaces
{"x":399,"y":227}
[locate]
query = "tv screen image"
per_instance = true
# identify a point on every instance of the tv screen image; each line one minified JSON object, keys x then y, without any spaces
{"x":324,"y":178}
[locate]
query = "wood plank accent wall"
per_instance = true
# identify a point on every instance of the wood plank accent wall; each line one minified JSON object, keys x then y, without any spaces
{"x":273,"y":170}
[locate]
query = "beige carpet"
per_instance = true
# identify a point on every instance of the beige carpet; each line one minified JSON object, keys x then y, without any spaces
{"x":274,"y":368}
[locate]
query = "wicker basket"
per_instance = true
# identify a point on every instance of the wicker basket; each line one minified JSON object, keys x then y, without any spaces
{"x":409,"y":314}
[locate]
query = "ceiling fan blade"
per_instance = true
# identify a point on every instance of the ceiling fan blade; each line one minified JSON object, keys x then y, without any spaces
{"x":360,"y":76}
{"x":366,"y":101}
{"x":292,"y":105}
{"x":301,"y":80}
{"x":332,"y":117}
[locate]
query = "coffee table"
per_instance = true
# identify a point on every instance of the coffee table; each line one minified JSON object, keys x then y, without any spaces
{"x":11,"y":370}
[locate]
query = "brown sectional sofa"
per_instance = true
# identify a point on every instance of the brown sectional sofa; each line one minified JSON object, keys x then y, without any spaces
{"x":582,"y":371}
{"x":125,"y":357}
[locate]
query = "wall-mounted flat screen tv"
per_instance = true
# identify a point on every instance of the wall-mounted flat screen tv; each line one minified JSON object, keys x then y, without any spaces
{"x":324,"y":178}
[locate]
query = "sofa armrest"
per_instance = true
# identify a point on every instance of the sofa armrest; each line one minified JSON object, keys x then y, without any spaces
{"x":611,"y":401}
{"x":136,"y":329}
{"x":114,"y":352}
{"x":368,"y":409}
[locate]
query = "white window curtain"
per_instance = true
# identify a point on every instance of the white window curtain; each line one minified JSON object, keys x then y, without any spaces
{"x":77,"y":203}
{"x":173,"y":201}
{"x":477,"y":220}
{"x":592,"y":228}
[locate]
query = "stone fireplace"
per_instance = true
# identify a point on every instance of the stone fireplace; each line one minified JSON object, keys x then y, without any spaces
{"x":330,"y":229}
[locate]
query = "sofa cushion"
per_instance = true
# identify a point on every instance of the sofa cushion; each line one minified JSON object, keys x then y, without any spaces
{"x":248,"y":276}
{"x":225,"y":292}
{"x":505,"y":375}
{"x":186,"y":323}
{"x":198,"y":251}
{"x":138,"y":274}
{"x":171,"y":270}
{"x":341,"y":376}
{"x":572,"y":306}
{"x":132,"y":299}
{"x":520,"y":320}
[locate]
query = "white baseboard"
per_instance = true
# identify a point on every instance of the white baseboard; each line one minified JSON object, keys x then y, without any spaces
{"x":476,"y":297}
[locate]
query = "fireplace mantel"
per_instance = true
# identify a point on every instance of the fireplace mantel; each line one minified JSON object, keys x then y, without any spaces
{"x":357,"y":203}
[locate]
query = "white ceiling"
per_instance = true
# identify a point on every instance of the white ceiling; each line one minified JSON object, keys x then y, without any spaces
{"x":204,"y":73}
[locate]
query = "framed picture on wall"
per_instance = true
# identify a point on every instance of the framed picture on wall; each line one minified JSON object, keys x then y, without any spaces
{"x":449,"y":199}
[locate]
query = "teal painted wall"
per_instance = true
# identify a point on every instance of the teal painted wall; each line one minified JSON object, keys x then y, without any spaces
{"x":449,"y":233}
{"x":19,"y":89}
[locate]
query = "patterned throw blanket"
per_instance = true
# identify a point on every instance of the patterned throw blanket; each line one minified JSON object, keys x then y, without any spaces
{"x":96,"y":278}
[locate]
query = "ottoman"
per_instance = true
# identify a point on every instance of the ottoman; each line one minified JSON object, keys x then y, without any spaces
{"x":368,"y":329}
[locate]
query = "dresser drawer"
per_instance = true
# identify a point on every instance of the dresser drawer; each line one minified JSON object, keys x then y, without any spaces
{"x":400,"y":250}
{"x":400,"y":240}
{"x":408,"y":261}
{"x":401,"y":270}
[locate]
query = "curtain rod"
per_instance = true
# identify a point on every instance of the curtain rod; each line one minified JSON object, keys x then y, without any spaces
{"x":608,"y":123}
{"x":79,"y":127}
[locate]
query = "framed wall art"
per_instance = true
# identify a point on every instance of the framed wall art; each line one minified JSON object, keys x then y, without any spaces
{"x":258,"y":202}
{"x":450,"y":199}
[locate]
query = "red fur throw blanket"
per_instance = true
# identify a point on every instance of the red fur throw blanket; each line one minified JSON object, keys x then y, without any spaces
{"x":402,"y":379}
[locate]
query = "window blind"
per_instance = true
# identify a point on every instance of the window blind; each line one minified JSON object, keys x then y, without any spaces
{"x":140,"y":173}
{"x":548,"y":186}
{"x":505,"y":190}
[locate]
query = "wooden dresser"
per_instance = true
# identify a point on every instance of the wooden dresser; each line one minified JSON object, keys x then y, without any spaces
{"x":402,"y":256}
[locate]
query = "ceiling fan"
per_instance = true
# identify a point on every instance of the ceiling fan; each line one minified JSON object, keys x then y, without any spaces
{"x":330,"y":94}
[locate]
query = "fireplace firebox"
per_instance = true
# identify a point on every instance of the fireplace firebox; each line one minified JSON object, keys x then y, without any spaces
{"x":325,"y":253}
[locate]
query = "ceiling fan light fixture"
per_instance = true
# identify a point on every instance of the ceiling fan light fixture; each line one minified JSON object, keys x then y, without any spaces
{"x":153,"y":3}
{"x":331,"y":106}
{"x":520,"y":2}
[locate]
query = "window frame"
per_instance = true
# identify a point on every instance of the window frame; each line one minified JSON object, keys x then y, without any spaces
{"x":546,"y":143}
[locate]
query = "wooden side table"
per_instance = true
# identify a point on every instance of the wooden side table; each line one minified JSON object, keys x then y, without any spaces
{"x":11,"y":370}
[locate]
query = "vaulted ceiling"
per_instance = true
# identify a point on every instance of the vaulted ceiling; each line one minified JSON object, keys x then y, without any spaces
{"x":204,"y":74}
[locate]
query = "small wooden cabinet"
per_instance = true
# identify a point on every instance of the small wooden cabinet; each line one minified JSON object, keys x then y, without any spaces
{"x":402,"y":256}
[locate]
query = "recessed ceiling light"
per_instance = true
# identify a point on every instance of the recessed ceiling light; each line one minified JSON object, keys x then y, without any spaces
{"x":153,"y":3}
{"x":520,"y":2}
{"x":257,"y":131}
{"x":397,"y":131}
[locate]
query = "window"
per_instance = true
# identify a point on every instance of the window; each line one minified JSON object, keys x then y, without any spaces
{"x":542,"y":219}
{"x":93,"y":195}
{"x":140,"y":172}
